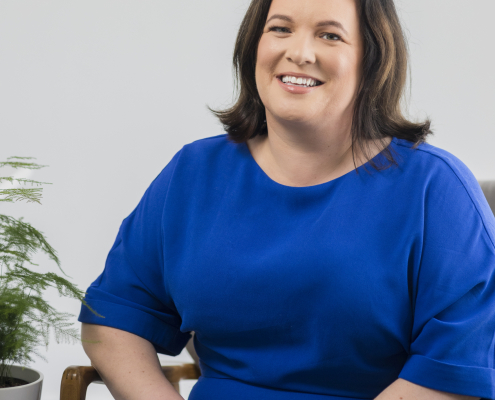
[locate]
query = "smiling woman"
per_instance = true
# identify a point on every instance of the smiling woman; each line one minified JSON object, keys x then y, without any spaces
{"x":356,"y":49}
{"x":301,"y":279}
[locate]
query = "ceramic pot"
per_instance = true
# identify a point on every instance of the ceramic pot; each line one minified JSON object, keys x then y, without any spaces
{"x":30,"y":391}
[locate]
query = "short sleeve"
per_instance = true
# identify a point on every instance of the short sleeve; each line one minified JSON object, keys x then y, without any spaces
{"x":452,"y":340}
{"x":131,"y":293}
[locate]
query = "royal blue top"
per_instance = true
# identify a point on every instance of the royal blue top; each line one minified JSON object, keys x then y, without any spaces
{"x":331,"y":291}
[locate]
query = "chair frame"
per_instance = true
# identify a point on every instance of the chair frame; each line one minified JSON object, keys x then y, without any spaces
{"x":76,"y":378}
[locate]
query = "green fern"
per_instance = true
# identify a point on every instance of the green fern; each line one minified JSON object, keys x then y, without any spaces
{"x":25,"y":318}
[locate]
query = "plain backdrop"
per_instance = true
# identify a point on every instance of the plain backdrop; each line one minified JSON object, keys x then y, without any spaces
{"x":105,"y":92}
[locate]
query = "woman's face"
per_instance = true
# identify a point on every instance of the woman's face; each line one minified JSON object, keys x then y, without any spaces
{"x":317,"y":38}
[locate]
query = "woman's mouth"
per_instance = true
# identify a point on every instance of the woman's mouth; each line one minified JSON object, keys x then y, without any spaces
{"x":298,"y":85}
{"x":298,"y":81}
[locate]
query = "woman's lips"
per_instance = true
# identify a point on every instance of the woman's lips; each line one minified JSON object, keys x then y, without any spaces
{"x":296,"y":89}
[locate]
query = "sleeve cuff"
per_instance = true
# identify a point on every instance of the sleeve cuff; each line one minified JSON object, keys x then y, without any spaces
{"x":457,"y":379}
{"x":165,"y":338}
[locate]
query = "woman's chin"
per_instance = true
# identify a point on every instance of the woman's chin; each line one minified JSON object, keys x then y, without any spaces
{"x":295,"y":117}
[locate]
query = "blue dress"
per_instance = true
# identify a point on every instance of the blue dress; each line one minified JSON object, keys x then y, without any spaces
{"x":331,"y":291}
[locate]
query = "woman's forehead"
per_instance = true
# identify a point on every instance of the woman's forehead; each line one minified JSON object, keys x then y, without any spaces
{"x":314,"y":11}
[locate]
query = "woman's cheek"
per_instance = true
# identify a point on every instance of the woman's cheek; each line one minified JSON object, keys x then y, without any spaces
{"x":339,"y":65}
{"x":266,"y":52}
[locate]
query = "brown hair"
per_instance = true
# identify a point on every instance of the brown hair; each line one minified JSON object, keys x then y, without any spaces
{"x":377,"y":110}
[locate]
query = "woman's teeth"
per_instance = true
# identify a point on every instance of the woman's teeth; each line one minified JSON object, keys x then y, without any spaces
{"x":292,"y":80}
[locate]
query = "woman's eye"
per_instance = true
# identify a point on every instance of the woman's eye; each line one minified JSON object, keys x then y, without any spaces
{"x":332,"y":34}
{"x":276,"y":29}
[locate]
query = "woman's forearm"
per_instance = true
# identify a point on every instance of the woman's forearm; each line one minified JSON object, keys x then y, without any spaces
{"x":128,"y":364}
{"x":405,"y":390}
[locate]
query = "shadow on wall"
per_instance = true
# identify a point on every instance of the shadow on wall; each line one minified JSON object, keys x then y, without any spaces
{"x":488,"y":188}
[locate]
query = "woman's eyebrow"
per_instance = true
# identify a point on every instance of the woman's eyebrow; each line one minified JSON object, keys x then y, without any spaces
{"x":331,"y":22}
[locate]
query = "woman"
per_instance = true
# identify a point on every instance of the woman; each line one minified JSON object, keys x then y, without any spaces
{"x":301,"y":279}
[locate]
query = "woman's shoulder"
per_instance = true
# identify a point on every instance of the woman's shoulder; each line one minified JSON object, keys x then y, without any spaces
{"x":436,"y":156}
{"x":208,"y":144}
{"x":442,"y":176}
{"x":435,"y":163}
{"x":213,"y":153}
{"x":206,"y":160}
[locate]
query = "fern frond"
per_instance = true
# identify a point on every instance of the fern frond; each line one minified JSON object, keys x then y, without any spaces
{"x":16,"y":164}
{"x":22,"y":180}
{"x":25,"y":238}
{"x":25,"y":317}
{"x":16,"y":194}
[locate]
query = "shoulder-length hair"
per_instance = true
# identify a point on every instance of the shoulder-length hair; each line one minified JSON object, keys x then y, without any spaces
{"x":377,"y":108}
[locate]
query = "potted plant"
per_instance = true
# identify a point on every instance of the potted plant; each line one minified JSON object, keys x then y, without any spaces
{"x":25,"y":318}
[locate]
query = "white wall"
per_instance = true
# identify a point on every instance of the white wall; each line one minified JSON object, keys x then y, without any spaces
{"x":106,"y":91}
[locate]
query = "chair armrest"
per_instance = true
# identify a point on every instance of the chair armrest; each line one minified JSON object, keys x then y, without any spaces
{"x":189,"y":371}
{"x":76,"y":378}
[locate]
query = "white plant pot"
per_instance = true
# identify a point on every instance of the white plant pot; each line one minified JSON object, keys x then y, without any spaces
{"x":30,"y":391}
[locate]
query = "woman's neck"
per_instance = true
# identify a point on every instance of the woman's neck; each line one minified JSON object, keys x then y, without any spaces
{"x":309,"y":162}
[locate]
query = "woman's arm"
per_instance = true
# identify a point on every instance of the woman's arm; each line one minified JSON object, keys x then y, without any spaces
{"x":127,"y":363}
{"x":405,"y":390}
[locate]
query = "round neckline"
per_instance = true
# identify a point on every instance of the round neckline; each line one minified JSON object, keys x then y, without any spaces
{"x":320,"y":185}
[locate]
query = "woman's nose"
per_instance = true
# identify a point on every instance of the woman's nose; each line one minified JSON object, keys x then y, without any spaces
{"x":301,"y":51}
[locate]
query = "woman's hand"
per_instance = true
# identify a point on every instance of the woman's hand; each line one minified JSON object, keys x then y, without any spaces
{"x":405,"y":390}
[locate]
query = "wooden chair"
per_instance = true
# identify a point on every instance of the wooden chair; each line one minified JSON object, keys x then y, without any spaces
{"x":76,"y":379}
